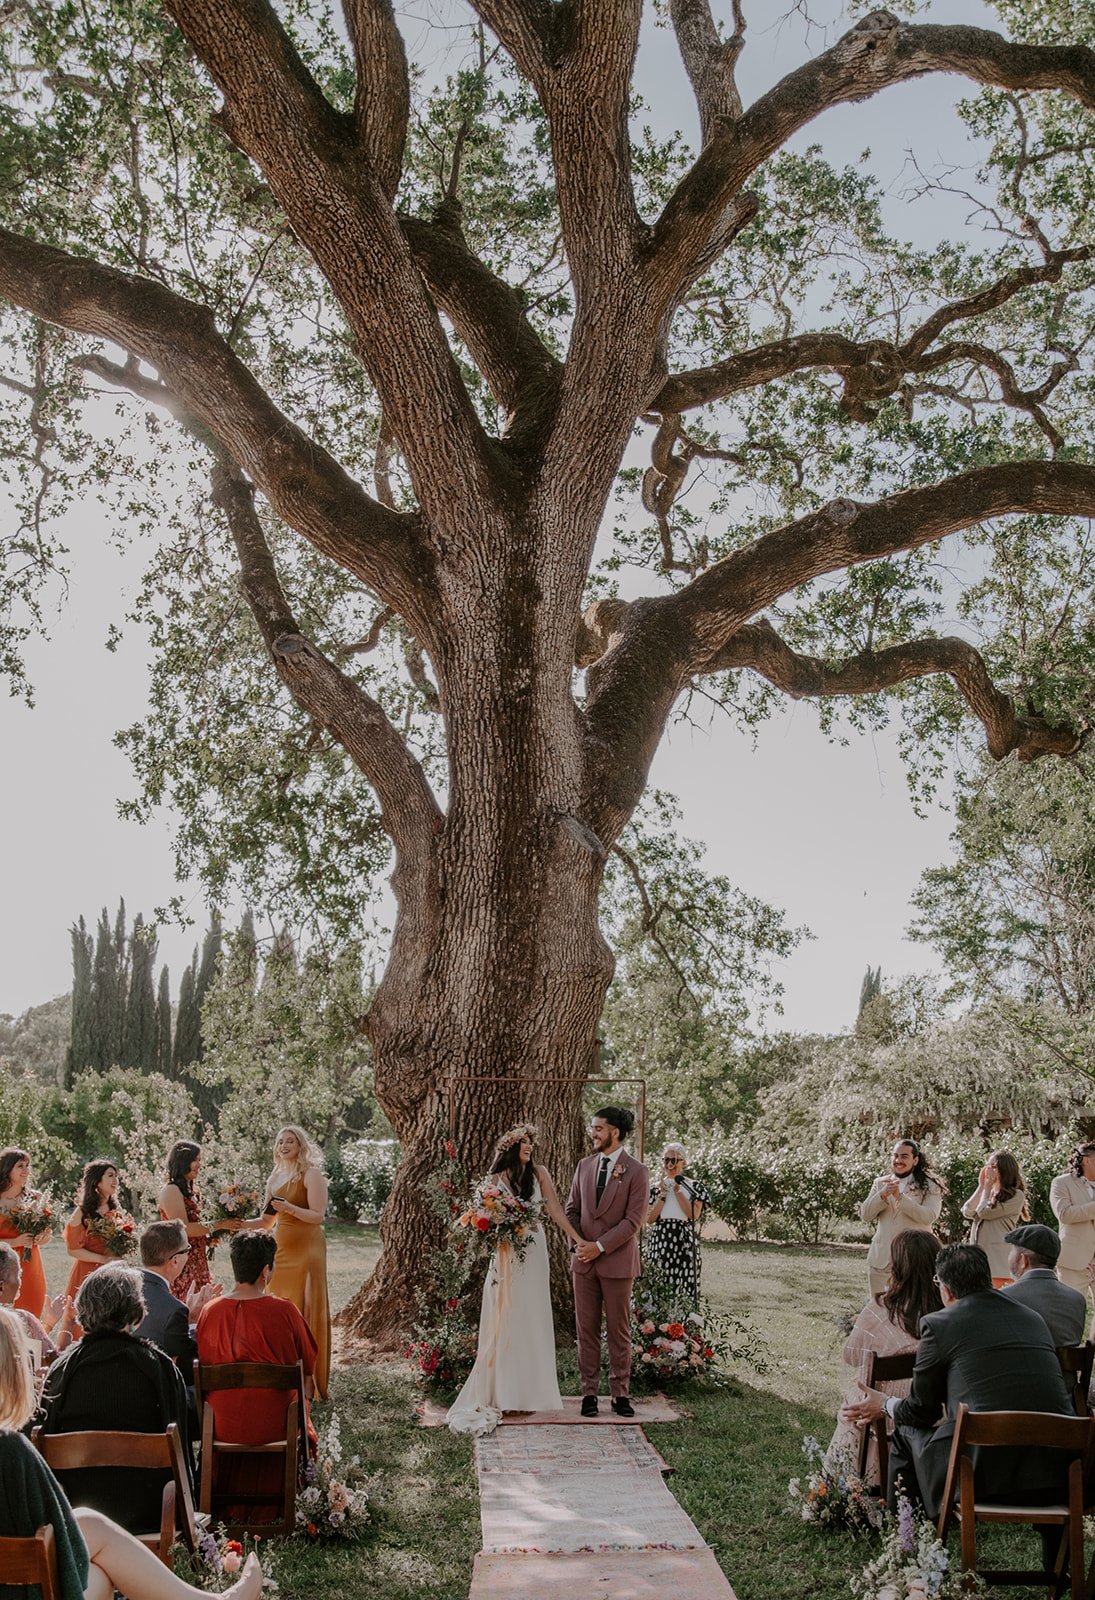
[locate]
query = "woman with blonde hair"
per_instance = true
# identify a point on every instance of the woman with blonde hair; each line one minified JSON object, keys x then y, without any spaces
{"x":94,"y":1555}
{"x":296,"y":1202}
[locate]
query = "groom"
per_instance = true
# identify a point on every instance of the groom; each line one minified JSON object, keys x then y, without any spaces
{"x":607,"y":1204}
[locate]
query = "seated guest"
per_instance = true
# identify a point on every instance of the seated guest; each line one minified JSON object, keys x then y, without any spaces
{"x":165,"y":1250}
{"x":111,"y":1380}
{"x":987,"y":1350}
{"x":1033,"y":1257}
{"x":57,"y":1315}
{"x":94,"y":1556}
{"x":888,"y":1325}
{"x":247,"y":1324}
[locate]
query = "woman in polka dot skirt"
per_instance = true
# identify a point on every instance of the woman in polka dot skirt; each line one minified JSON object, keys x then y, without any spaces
{"x":673,"y":1244}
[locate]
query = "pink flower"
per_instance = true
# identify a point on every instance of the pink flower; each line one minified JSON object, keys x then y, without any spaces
{"x":232,"y":1561}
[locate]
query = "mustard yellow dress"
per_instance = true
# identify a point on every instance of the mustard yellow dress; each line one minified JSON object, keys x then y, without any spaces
{"x":300,"y":1274}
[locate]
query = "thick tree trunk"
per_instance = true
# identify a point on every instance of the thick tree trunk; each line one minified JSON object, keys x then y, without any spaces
{"x":498,"y":970}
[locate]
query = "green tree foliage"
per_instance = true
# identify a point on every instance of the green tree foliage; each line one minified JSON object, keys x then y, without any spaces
{"x":187,"y":1047}
{"x":140,"y":1018}
{"x":81,"y":1048}
{"x":164,"y":1048}
{"x":108,"y":990}
{"x":1014,"y":914}
{"x":287,"y":1044}
{"x":35,"y":1044}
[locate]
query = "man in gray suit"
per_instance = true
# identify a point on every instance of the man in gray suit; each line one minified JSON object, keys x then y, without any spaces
{"x":987,"y":1350}
{"x":164,"y":1249}
{"x":1033,"y":1257}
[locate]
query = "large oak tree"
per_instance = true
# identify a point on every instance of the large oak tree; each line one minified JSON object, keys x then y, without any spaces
{"x":404,"y":332}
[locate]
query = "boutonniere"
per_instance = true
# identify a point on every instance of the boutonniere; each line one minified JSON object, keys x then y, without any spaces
{"x":619,"y":1172}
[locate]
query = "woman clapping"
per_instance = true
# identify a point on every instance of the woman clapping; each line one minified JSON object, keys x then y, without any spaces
{"x":998,"y":1204}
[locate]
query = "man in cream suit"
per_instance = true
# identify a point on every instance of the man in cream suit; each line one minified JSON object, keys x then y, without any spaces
{"x":1072,"y":1197}
{"x":908,"y":1196}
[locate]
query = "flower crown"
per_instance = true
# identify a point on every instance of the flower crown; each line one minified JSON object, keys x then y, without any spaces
{"x":512,"y":1136}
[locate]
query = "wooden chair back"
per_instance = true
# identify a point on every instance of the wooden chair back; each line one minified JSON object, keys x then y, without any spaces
{"x":882,"y":1369}
{"x":1076,"y":1361}
{"x":67,"y":1452}
{"x":32,"y":1560}
{"x":211,"y":1379}
{"x":1074,"y":1437}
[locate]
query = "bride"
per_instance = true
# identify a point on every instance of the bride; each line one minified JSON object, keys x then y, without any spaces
{"x":515,"y":1366}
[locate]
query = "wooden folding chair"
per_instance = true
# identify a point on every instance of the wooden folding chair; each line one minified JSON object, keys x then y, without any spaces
{"x":882,"y":1369}
{"x":1076,"y":1361}
{"x":1074,"y":1437}
{"x":67,"y":1452}
{"x":252,"y":1375}
{"x":32,"y":1560}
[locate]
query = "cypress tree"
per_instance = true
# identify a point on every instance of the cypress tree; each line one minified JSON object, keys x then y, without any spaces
{"x":81,"y":1047}
{"x":104,"y":995}
{"x":163,"y":1026}
{"x":121,"y":986}
{"x":207,"y":970}
{"x":141,"y":1044}
{"x":187,"y":1022}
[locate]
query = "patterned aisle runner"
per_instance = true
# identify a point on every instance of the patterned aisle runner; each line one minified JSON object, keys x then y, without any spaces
{"x":568,"y":1510}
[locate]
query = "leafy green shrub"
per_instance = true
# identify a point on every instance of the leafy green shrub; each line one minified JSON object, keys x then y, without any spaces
{"x":361,"y":1175}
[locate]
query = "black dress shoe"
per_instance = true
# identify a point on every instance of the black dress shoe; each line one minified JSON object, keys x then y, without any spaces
{"x":589,"y":1405}
{"x":622,"y":1406}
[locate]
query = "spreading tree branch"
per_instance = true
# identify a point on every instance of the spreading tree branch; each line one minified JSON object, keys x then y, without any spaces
{"x":651,"y":648}
{"x":524,"y":29}
{"x":877,"y":52}
{"x":322,"y":178}
{"x":305,"y":485}
{"x":709,"y":61}
{"x":382,"y":100}
{"x":651,"y":916}
{"x":758,"y":646}
{"x":410,"y":812}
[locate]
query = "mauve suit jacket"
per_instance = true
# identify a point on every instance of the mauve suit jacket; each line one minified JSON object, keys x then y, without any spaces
{"x":1074,"y":1209}
{"x":615,"y":1223}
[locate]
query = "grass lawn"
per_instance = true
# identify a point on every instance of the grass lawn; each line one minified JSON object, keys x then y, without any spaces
{"x":732,"y":1460}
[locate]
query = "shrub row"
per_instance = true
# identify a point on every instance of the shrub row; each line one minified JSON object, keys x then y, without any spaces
{"x":807,"y":1197}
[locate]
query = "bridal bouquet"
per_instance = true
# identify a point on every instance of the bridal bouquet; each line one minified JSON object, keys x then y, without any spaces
{"x":495,"y":1217}
{"x":913,"y":1564}
{"x":833,"y":1497}
{"x":230,"y":1202}
{"x":117,"y":1230}
{"x":33,"y":1215}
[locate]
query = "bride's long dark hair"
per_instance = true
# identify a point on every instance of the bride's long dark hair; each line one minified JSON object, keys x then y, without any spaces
{"x":521,"y":1177}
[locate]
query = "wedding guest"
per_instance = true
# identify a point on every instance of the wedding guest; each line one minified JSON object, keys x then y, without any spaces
{"x":910,"y":1195}
{"x":1034,"y":1252}
{"x":296,"y":1200}
{"x":888,"y":1325}
{"x":672,"y":1253}
{"x":97,"y":1196}
{"x":114,"y":1381}
{"x":165,"y":1250}
{"x":15,"y":1190}
{"x":251,"y":1324}
{"x":998,"y":1204}
{"x":94,"y":1556}
{"x":1072,"y":1197}
{"x":57,"y":1315}
{"x":179,"y":1201}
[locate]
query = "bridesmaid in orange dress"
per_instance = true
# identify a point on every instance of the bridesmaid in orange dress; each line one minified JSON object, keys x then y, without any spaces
{"x":179,"y":1201}
{"x":96,"y":1196}
{"x":14,"y":1188}
{"x":296,"y":1195}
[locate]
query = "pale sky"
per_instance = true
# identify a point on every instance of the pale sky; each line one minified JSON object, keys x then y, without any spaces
{"x":825,"y":832}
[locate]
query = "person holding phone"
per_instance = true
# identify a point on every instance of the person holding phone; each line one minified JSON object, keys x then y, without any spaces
{"x":673,"y":1243}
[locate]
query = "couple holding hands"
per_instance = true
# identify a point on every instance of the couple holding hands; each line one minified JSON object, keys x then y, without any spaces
{"x":515,"y":1365}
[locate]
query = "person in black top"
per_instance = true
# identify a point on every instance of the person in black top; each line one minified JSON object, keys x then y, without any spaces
{"x":112,"y":1380}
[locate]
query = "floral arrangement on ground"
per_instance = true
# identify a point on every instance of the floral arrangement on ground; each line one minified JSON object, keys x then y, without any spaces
{"x":677,"y":1342}
{"x":913,"y":1564}
{"x":833,"y":1496}
{"x":218,"y":1561}
{"x":334,"y":1501}
{"x":444,"y":1340}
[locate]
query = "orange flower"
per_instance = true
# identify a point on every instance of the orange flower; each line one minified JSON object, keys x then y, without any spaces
{"x":675,"y":1330}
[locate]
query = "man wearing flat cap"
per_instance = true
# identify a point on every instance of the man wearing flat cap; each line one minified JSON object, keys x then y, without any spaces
{"x":1033,"y":1257}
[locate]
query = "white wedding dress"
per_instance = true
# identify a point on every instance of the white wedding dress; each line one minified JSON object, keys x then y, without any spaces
{"x":515,"y":1365}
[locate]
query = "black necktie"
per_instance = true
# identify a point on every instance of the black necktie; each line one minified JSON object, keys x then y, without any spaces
{"x":602,"y":1178}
